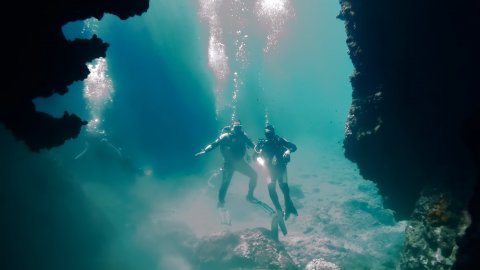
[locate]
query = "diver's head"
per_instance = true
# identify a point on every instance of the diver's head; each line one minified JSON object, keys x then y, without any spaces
{"x":236,"y":127}
{"x":269,"y":132}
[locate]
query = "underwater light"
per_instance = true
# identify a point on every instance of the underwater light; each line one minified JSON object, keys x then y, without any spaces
{"x":261,"y":161}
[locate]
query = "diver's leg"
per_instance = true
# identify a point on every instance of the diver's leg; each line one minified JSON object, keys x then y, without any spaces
{"x":283,"y":183}
{"x":247,"y":170}
{"x":227,"y":174}
{"x":272,"y":191}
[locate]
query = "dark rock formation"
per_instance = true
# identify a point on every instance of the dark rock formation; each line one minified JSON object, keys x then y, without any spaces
{"x":470,"y":244}
{"x":413,"y":122}
{"x":247,"y":249}
{"x":40,"y":62}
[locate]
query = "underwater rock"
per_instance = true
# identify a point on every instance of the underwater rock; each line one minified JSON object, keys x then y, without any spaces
{"x":414,"y":120}
{"x":414,"y":90}
{"x":320,"y":264}
{"x":432,"y":233}
{"x":247,"y":249}
{"x":40,"y":62}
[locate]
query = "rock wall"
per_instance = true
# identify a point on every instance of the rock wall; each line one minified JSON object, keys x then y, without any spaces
{"x":413,"y":126}
{"x":40,"y":62}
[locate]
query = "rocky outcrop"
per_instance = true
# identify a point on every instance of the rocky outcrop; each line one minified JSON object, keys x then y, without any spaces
{"x":413,"y":125}
{"x":320,"y":264}
{"x":432,"y":233}
{"x":40,"y":62}
{"x":247,"y":249}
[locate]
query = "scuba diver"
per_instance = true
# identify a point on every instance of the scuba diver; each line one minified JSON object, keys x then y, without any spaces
{"x":97,"y":146}
{"x":233,"y":146}
{"x":275,"y":152}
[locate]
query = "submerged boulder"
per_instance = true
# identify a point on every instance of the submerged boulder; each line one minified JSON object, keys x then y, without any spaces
{"x":321,"y":264}
{"x":247,"y":249}
{"x":432,"y":233}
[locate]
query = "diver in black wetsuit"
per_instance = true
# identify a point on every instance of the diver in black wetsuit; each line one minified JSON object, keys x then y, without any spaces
{"x":275,"y":151}
{"x":233,"y":146}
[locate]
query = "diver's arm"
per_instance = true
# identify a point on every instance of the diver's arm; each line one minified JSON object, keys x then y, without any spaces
{"x":248,"y":141}
{"x":203,"y":151}
{"x":212,"y":146}
{"x":207,"y":149}
{"x":289,"y":146}
{"x":258,"y":147}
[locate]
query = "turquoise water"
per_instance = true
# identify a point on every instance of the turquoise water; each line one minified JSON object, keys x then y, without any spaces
{"x":171,"y":79}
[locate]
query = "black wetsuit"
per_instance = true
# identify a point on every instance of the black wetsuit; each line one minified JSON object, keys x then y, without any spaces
{"x":272,"y":150}
{"x":233,"y":147}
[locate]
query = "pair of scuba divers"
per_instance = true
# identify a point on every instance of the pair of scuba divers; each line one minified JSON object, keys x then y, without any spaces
{"x":273,"y":150}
